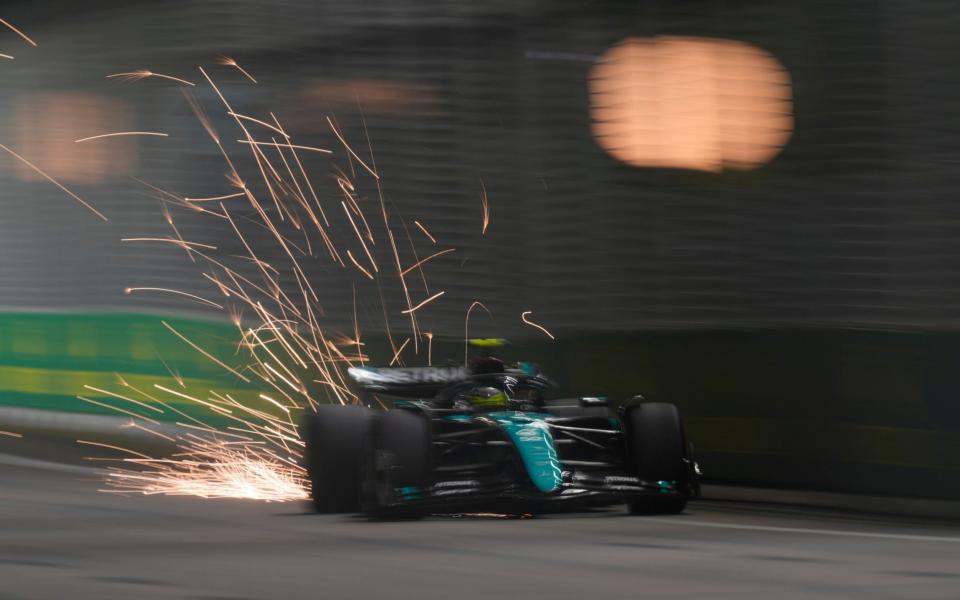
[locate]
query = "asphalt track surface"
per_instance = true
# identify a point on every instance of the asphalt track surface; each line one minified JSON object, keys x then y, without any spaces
{"x":60,"y":538}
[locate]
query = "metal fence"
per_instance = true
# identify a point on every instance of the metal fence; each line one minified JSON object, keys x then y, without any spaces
{"x":853,"y":225}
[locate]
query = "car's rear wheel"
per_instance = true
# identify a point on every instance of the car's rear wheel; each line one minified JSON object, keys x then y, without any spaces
{"x":656,"y":448}
{"x":334,"y":440}
{"x":396,"y":465}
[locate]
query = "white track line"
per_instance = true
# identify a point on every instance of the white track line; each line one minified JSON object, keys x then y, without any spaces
{"x":836,"y":532}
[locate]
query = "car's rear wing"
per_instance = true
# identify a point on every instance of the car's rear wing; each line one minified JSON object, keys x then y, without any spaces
{"x":409,"y":382}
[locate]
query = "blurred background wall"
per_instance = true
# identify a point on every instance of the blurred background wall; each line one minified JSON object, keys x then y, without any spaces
{"x":747,"y":208}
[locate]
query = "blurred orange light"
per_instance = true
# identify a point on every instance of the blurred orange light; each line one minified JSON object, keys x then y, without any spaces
{"x":47,"y":125}
{"x":691,"y":103}
{"x":396,"y":99}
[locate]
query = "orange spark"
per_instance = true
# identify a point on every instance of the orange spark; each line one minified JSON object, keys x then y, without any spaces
{"x":112,"y":447}
{"x":216,"y":198}
{"x":130,"y":290}
{"x":466,"y":327}
{"x":523,"y":317}
{"x":144,"y":73}
{"x":216,"y":471}
{"x":336,"y":132}
{"x":356,"y":326}
{"x":191,"y":398}
{"x":356,"y":230}
{"x":186,"y":245}
{"x":18,"y":32}
{"x":204,"y":352}
{"x":7,"y":56}
{"x":396,"y":356}
{"x":274,"y":356}
{"x":282,"y":378}
{"x":259,"y":122}
{"x":313,"y":194}
{"x":173,"y":373}
{"x":425,"y":232}
{"x":204,"y":119}
{"x":425,"y":302}
{"x":121,"y":397}
{"x":54,"y":182}
{"x":486,"y":207}
{"x":134,"y":425}
{"x":347,"y":188}
{"x":275,"y":403}
{"x":293,"y":146}
{"x":11,"y":434}
{"x":420,"y":262}
{"x":416,"y":257}
{"x":229,"y":62}
{"x":118,"y":409}
{"x":258,"y":454}
{"x":396,"y":262}
{"x":106,"y":135}
{"x":169,"y":219}
{"x":357,"y":265}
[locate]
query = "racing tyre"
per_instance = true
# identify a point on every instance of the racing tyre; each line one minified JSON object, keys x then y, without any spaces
{"x":396,"y":465}
{"x":334,"y":440}
{"x":656,"y":447}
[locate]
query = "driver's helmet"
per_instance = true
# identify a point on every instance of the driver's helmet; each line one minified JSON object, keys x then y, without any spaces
{"x":487,"y":398}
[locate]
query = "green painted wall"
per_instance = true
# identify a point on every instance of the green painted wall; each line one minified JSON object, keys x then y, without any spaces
{"x":47,"y":359}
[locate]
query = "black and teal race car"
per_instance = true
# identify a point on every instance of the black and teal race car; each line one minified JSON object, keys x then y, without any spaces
{"x":490,"y":438}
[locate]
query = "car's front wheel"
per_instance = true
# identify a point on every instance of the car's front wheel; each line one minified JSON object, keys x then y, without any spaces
{"x":396,"y":465}
{"x":656,"y":448}
{"x":334,"y":438}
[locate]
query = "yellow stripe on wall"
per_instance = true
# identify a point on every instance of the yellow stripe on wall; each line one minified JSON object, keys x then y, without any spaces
{"x":56,"y":382}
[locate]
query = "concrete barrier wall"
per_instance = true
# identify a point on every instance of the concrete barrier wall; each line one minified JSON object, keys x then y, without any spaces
{"x":856,"y":411}
{"x":852,"y":411}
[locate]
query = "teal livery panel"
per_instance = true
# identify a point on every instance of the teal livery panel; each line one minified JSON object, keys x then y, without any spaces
{"x":531,"y":436}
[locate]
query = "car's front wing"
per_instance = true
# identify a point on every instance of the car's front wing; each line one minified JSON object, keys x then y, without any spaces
{"x":505,"y":493}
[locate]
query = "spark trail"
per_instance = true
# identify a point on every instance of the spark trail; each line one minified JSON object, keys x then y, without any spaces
{"x":121,"y":133}
{"x":229,"y":62}
{"x":523,"y":317}
{"x":246,"y":442}
{"x":43,"y":174}
{"x":18,"y":32}
{"x":144,"y":74}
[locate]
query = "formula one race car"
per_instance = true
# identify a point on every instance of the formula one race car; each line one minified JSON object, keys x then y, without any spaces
{"x":488,"y":437}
